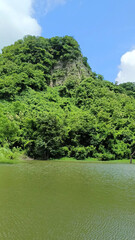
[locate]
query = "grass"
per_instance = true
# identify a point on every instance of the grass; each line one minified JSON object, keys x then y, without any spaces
{"x":93,"y":160}
{"x":121,"y":161}
{"x":9,"y":156}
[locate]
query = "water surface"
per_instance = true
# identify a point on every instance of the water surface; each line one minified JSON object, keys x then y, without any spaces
{"x":67,"y":201}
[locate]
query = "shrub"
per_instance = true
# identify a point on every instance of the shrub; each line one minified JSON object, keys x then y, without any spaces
{"x":105,"y":156}
{"x":79,"y":153}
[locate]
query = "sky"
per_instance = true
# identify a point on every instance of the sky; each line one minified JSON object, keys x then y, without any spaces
{"x":105,"y":30}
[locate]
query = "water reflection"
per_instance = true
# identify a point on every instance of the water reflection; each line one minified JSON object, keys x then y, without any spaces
{"x":65,"y":201}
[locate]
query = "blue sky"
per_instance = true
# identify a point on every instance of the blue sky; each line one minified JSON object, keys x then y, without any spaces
{"x":104,"y":29}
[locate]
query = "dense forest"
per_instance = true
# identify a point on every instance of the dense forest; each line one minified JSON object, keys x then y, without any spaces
{"x":52,"y":105}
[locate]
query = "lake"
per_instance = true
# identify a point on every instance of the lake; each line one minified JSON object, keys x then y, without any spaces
{"x":52,"y":200}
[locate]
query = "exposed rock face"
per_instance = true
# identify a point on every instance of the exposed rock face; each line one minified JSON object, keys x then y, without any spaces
{"x":74,"y":70}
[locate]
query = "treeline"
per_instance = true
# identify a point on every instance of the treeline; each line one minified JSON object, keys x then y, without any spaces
{"x":91,"y":118}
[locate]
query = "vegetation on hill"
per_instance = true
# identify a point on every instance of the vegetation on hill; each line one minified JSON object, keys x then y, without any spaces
{"x":49,"y":118}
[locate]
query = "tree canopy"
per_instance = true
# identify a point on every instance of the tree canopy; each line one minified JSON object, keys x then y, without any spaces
{"x":83,"y":118}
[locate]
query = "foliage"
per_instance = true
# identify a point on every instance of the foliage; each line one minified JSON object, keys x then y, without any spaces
{"x":81,"y":118}
{"x":9,"y":156}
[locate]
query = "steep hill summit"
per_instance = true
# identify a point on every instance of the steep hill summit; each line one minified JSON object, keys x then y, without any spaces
{"x":51,"y":61}
{"x":52,"y":105}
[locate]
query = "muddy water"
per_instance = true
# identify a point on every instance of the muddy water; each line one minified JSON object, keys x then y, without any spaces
{"x":67,"y":201}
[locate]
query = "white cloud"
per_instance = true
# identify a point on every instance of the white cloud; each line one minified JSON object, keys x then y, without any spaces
{"x":127,"y":68}
{"x":45,"y":6}
{"x":16,"y":21}
{"x":53,"y":3}
{"x":16,"y":18}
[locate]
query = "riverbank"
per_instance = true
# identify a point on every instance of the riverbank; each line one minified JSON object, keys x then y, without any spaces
{"x":93,"y":160}
{"x":11,"y":157}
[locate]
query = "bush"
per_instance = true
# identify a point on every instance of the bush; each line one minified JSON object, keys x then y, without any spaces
{"x":9,"y":156}
{"x":105,"y":156}
{"x":79,"y":153}
{"x":64,"y":151}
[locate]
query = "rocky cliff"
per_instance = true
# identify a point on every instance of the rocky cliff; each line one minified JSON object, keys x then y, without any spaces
{"x":74,"y":70}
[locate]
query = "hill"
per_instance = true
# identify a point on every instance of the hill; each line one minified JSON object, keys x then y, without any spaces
{"x":52,"y":105}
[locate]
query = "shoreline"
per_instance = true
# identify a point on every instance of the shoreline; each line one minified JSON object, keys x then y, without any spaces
{"x":93,"y":160}
{"x":25,"y":159}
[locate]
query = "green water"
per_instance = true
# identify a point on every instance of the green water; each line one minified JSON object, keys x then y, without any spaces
{"x":67,"y":201}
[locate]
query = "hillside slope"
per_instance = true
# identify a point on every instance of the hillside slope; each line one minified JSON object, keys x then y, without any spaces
{"x":37,"y":62}
{"x":53,"y":105}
